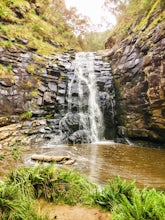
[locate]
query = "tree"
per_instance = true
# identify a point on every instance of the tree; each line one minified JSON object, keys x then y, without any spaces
{"x":93,"y":41}
{"x":79,"y":22}
{"x":117,"y":7}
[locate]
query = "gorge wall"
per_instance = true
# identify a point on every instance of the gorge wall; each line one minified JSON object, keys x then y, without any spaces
{"x":138,"y":64}
{"x":34,"y":91}
{"x":34,"y":98}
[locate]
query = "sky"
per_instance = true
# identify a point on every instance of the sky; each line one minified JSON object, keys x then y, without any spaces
{"x":94,"y":10}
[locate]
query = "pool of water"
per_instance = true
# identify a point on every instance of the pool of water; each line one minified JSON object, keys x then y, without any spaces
{"x":101,"y":161}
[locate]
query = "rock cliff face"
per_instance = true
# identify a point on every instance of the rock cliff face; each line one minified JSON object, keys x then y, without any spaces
{"x":34,"y":92}
{"x":34,"y":98}
{"x":138,"y":64}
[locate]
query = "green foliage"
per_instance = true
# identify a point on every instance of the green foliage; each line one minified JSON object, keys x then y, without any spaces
{"x":14,"y":206}
{"x":3,"y":29}
{"x":60,"y":79}
{"x":122,"y":198}
{"x":6,"y":71}
{"x":9,"y":67}
{"x":138,"y":15}
{"x":112,"y":193}
{"x":34,"y":93}
{"x":162,"y":4}
{"x":49,"y":116}
{"x":44,"y":26}
{"x":57,"y":185}
{"x":26,"y":115}
{"x":31,"y":68}
{"x":127,"y":202}
{"x":145,"y":204}
{"x":93,"y":41}
{"x":6,"y":14}
{"x":15,"y":150}
{"x":8,"y":44}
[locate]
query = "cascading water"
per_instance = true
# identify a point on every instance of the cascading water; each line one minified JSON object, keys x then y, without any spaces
{"x":85,"y":76}
{"x":87,"y":105}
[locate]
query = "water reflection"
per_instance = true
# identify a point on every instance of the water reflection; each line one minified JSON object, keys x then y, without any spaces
{"x":103,"y":161}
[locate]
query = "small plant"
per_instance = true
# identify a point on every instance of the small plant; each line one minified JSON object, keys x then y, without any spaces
{"x":49,"y":116}
{"x":31,"y":68}
{"x":112,"y":193}
{"x":8,"y":44}
{"x":15,"y":150}
{"x":60,"y":79}
{"x":6,"y":71}
{"x":29,"y":84}
{"x":39,"y":60}
{"x":26,"y":115}
{"x":34,"y":93}
{"x":9,"y":67}
{"x":162,"y":4}
{"x":2,"y":27}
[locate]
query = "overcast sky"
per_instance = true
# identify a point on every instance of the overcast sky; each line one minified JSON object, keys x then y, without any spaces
{"x":94,"y":10}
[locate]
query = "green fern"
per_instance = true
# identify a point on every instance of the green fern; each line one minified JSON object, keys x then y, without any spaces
{"x":144,"y":205}
{"x":112,"y":193}
{"x":52,"y":184}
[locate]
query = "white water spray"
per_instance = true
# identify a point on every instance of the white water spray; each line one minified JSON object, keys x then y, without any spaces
{"x":85,"y":73}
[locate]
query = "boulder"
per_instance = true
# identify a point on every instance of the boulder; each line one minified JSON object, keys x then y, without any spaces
{"x":79,"y":137}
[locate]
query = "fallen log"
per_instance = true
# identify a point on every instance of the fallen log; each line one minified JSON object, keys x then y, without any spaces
{"x":69,"y":162}
{"x":59,"y":159}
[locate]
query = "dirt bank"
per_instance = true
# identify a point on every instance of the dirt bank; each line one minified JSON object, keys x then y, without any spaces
{"x":65,"y":212}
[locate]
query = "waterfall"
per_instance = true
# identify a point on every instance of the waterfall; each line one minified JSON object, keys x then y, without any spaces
{"x":85,"y":98}
{"x":88,"y":107}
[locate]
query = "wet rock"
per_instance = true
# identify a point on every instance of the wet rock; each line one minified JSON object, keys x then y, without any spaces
{"x":71,"y":123}
{"x":52,"y":87}
{"x":39,"y":101}
{"x":79,"y":137}
{"x":42,"y":88}
{"x":47,"y":97}
{"x":7,"y":82}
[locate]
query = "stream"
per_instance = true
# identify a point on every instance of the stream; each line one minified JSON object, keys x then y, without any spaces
{"x":99,"y":162}
{"x":88,"y":119}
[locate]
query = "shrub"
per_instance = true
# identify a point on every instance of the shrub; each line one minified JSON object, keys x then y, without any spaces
{"x":52,"y":184}
{"x":6,"y":71}
{"x":112,"y":193}
{"x":31,"y":68}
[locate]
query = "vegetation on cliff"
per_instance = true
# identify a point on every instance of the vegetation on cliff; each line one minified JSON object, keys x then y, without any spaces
{"x":37,"y":25}
{"x":23,"y":186}
{"x":135,"y":16}
{"x":48,"y":27}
